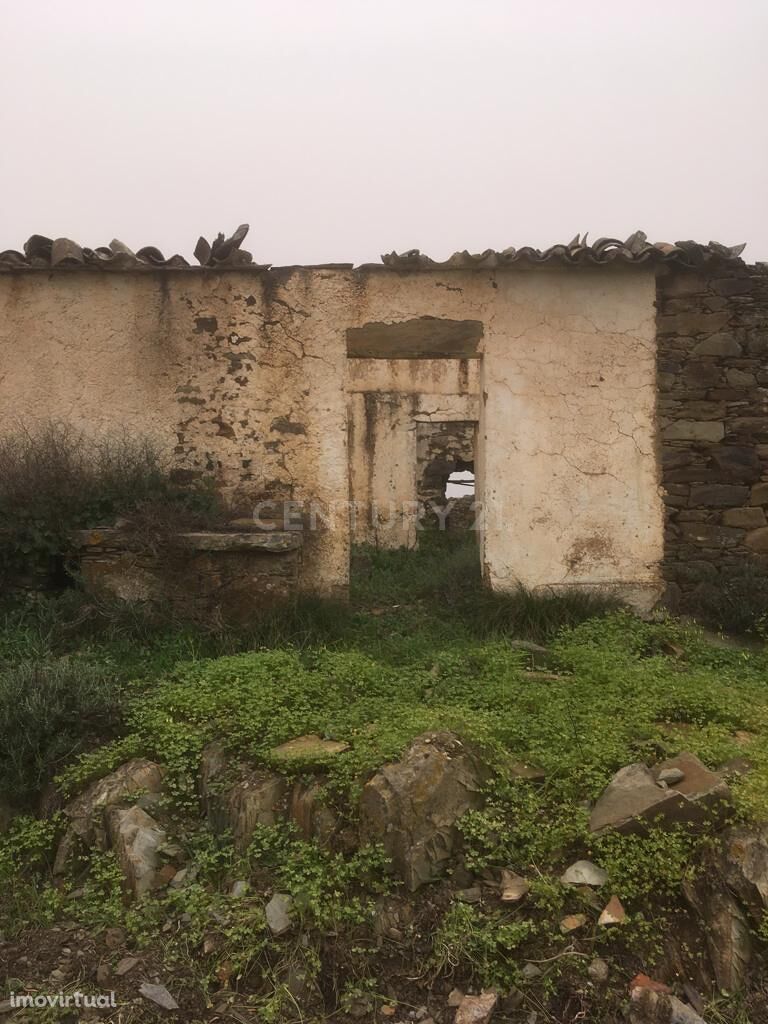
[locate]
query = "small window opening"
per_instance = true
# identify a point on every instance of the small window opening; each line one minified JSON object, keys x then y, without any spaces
{"x":460,"y":484}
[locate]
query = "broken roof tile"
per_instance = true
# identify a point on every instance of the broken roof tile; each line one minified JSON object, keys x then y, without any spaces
{"x":41,"y":252}
{"x":635,"y":249}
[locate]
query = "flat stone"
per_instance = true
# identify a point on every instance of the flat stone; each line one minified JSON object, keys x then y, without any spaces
{"x":757,"y":540}
{"x":126,"y":965}
{"x":718,"y":495}
{"x":455,"y":997}
{"x":239,"y":889}
{"x":531,"y":971}
{"x":279,"y":913}
{"x":513,"y":886}
{"x":709,"y":536}
{"x":476,"y":1009}
{"x":572,"y":922}
{"x":159,"y":995}
{"x":691,"y":430}
{"x":759,"y":494}
{"x":733,"y":285}
{"x":670,"y":776}
{"x":745,"y":518}
{"x":613,"y":913}
{"x":740,"y":378}
{"x":721,"y":344}
{"x":689,"y":324}
{"x":277,"y":540}
{"x":584,"y":872}
{"x":633,"y":800}
{"x":308,"y":748}
{"x":683,"y":283}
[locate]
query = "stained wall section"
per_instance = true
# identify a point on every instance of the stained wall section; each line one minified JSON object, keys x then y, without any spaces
{"x":568,"y":434}
{"x":245,"y":374}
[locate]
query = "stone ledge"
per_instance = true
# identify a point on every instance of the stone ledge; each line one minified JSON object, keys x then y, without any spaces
{"x":113,"y":538}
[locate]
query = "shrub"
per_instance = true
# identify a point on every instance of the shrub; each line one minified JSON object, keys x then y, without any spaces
{"x":739,"y":603}
{"x":55,"y":478}
{"x":50,"y":712}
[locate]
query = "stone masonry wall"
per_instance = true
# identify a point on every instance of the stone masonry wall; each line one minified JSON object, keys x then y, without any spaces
{"x":713,"y":414}
{"x":442,"y":449}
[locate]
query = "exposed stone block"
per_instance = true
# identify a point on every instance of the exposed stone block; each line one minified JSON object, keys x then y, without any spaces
{"x":717,"y":345}
{"x":753,"y":428}
{"x":740,"y":378}
{"x":738,"y":463}
{"x":759,"y":494}
{"x":679,"y":284}
{"x":757,"y":342}
{"x":706,"y":410}
{"x":745,"y":518}
{"x":690,"y":324}
{"x":757,"y":540}
{"x":690,"y":430}
{"x":703,"y":373}
{"x":732,"y":285}
{"x":719,"y":495}
{"x":709,"y":536}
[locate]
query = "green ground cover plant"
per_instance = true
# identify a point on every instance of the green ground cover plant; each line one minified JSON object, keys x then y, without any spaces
{"x":420,"y":647}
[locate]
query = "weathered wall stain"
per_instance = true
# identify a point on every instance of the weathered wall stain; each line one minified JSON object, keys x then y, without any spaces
{"x":245,"y":373}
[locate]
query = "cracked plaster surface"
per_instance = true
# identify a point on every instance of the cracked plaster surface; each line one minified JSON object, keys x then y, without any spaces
{"x":226,"y":369}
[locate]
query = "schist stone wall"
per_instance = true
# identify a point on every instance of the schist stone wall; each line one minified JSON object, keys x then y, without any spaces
{"x":713,"y":409}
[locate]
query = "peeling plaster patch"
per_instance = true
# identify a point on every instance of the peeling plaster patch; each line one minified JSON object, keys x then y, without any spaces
{"x":285,"y":426}
{"x":224,"y":429}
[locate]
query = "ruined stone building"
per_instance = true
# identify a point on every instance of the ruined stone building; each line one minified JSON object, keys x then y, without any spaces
{"x":611,"y":399}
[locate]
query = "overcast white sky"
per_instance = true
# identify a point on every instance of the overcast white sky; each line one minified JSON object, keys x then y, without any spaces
{"x":340,"y":130}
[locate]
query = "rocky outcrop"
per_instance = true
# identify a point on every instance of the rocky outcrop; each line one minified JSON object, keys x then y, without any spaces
{"x":87,"y":812}
{"x":310,"y":811}
{"x":238,"y":799}
{"x":138,"y":842}
{"x":743,"y":864}
{"x":730,"y":888}
{"x":726,"y":929}
{"x":635,"y":799}
{"x":412,"y":806}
